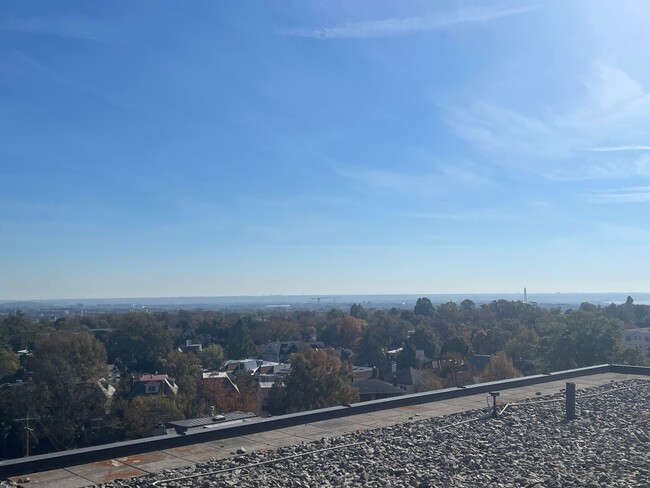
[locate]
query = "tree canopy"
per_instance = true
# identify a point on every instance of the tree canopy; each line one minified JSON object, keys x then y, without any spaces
{"x":317,"y":380}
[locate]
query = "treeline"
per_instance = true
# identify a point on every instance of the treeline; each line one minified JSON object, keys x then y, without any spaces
{"x":57,"y":372}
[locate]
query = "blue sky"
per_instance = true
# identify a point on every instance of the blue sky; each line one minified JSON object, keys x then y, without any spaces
{"x":309,"y":147}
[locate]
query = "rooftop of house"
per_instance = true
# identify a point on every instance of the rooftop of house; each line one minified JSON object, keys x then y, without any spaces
{"x":408,"y":376}
{"x":153,"y":377}
{"x":638,"y":329}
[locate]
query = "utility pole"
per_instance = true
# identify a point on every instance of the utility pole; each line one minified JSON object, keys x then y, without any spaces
{"x":27,"y":431}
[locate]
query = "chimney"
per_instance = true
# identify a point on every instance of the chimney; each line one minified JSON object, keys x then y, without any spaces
{"x":375,"y":373}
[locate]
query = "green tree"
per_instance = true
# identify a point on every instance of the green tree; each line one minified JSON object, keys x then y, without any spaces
{"x":317,"y":380}
{"x":140,"y":343}
{"x":185,"y":368}
{"x":423,"y":306}
{"x":358,"y":312}
{"x":458,"y":345}
{"x":145,"y":412}
{"x":426,"y":340}
{"x":579,"y":339}
{"x":406,"y":358}
{"x":629,"y":355}
{"x":523,"y":345}
{"x":240,"y":344}
{"x":18,"y":331}
{"x":467,"y":305}
{"x":8,"y":362}
{"x":211,"y":357}
{"x":66,"y":367}
{"x":180,"y":364}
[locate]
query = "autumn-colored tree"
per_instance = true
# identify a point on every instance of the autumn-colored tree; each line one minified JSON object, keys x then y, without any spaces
{"x":344,"y":332}
{"x":317,"y":380}
{"x":228,"y":397}
{"x":500,"y":367}
{"x":429,"y":381}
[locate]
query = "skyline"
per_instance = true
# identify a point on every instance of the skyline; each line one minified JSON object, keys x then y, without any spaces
{"x":244,"y":148}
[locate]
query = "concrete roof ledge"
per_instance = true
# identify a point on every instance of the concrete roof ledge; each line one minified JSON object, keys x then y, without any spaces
{"x":121,"y":449}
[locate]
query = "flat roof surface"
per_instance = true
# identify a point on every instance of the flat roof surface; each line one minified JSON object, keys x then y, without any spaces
{"x":157,"y":461}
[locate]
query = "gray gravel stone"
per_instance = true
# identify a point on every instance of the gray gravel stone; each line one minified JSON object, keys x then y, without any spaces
{"x":530,"y":445}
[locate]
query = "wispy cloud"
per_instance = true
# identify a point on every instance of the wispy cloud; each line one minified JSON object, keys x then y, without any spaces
{"x":618,"y":148}
{"x":566,"y":143}
{"x":401,"y":26}
{"x":638,"y":194}
{"x":479,"y":215}
{"x":68,"y":27}
{"x":443,"y":176}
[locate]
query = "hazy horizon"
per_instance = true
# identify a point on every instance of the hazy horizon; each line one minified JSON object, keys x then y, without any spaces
{"x":640,"y":297}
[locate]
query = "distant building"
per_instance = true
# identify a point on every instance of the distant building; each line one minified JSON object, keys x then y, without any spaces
{"x":189,"y":347}
{"x":279,"y":352}
{"x":639,"y":338}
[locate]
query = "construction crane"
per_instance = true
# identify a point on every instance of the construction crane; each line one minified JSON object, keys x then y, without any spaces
{"x":318,"y":299}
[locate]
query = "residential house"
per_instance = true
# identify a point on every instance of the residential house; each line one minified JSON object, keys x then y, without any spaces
{"x":408,"y":379}
{"x":153,"y":384}
{"x":363,"y":373}
{"x":238,"y":365}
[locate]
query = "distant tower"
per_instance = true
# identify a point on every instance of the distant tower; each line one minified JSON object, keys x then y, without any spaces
{"x":525,"y":297}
